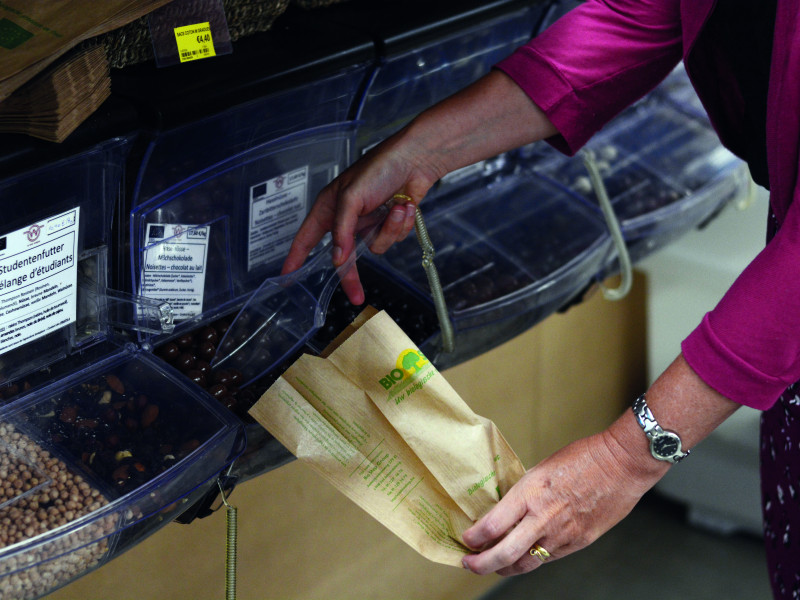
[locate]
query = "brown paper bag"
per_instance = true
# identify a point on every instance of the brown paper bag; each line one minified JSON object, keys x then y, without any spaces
{"x":375,"y":418}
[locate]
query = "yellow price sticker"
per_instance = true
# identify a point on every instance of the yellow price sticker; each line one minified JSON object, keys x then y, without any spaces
{"x":194,"y":42}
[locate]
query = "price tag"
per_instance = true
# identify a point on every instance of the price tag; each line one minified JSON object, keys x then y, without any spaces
{"x":194,"y":42}
{"x":198,"y":26}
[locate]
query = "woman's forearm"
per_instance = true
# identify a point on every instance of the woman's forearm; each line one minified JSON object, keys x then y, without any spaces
{"x":491,"y":116}
{"x":681,"y":402}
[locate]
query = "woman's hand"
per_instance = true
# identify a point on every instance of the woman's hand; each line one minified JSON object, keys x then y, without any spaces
{"x":563,"y":504}
{"x":491,"y":116}
{"x":347,"y":205}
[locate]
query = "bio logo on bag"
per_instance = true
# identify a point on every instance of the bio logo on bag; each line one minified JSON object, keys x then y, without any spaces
{"x":412,"y":370}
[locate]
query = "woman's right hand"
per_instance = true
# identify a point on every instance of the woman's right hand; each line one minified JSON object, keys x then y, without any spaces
{"x":347,"y":205}
{"x":491,"y":116}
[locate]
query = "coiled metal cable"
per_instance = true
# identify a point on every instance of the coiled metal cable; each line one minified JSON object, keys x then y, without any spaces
{"x":231,"y":540}
{"x":428,"y":252}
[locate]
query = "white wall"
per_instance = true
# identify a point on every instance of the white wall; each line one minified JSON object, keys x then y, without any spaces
{"x":719,"y":481}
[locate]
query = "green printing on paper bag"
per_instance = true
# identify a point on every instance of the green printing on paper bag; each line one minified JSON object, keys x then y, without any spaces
{"x":12,"y":35}
{"x":412,"y":371}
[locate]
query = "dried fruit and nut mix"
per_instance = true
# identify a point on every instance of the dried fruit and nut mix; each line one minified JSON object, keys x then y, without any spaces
{"x":121,"y":429}
{"x":123,"y":434}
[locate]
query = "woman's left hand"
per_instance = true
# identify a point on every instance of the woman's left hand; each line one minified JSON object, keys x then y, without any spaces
{"x":563,"y":504}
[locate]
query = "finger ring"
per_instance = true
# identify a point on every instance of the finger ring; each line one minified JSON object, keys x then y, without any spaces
{"x":403,"y":198}
{"x":540,"y":553}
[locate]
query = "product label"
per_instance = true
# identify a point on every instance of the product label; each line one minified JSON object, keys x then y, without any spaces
{"x":175,"y":267}
{"x":194,"y":41}
{"x":38,"y":279}
{"x":277,"y":208}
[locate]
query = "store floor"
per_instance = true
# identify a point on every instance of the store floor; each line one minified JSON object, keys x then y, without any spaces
{"x":654,"y":554}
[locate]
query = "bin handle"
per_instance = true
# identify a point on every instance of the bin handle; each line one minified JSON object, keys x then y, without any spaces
{"x":626,"y":268}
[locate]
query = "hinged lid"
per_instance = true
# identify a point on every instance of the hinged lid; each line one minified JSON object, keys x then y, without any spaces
{"x":54,"y":249}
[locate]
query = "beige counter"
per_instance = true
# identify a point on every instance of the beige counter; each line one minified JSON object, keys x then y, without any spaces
{"x":300,"y":539}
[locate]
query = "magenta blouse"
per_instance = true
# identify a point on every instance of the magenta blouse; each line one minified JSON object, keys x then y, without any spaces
{"x":605,"y":54}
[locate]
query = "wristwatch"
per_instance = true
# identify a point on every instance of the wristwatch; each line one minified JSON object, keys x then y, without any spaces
{"x":664,"y":445}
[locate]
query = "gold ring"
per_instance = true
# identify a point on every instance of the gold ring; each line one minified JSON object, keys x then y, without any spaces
{"x":540,"y":553}
{"x":403,"y":198}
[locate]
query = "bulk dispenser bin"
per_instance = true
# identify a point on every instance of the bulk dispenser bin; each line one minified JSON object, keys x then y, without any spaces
{"x":508,"y":254}
{"x":290,"y":78}
{"x":206,"y":244}
{"x":428,"y":51}
{"x":53,"y":255}
{"x":213,"y":247}
{"x":98,"y":443}
{"x":105,"y":458}
{"x":665,"y":173}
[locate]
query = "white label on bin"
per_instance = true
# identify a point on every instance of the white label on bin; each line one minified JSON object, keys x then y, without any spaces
{"x":175,"y":267}
{"x":38,"y":279}
{"x":277,"y":208}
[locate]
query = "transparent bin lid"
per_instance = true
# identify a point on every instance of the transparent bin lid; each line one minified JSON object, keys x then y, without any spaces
{"x":97,"y":462}
{"x":418,"y":71}
{"x":677,"y":147}
{"x":181,"y":152}
{"x":207,"y":243}
{"x":523,"y":244}
{"x":53,"y":258}
{"x":664,"y":172}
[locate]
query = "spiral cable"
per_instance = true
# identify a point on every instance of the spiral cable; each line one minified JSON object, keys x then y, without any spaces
{"x":231,"y":540}
{"x":428,"y":252}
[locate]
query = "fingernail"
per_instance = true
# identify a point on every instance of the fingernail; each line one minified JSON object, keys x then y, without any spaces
{"x":397,"y":215}
{"x":337,"y":255}
{"x":466,"y":566}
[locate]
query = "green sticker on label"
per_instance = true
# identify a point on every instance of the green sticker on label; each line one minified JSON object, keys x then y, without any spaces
{"x":194,"y":42}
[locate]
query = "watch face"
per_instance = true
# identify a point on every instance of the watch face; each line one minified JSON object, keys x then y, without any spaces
{"x":666,"y":444}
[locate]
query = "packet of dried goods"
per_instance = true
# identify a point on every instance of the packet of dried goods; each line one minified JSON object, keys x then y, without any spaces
{"x":375,"y":418}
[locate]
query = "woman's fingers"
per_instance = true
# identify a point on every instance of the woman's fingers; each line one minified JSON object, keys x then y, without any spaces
{"x":317,"y":223}
{"x":564,"y":503}
{"x":513,"y":549}
{"x":351,"y":285}
{"x":395,"y":228}
{"x":495,"y":523}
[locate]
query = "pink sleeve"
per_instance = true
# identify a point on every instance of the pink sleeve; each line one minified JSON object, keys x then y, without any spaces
{"x":748,"y":347}
{"x":595,"y":61}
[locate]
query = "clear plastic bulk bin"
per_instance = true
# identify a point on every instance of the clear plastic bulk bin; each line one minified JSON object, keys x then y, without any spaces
{"x":413,"y":79}
{"x":429,"y":54}
{"x":98,"y":444}
{"x":213,"y":247}
{"x":665,"y":173}
{"x":293,"y":77}
{"x":508,"y":255}
{"x":179,"y":153}
{"x":99,"y":461}
{"x":53,"y":255}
